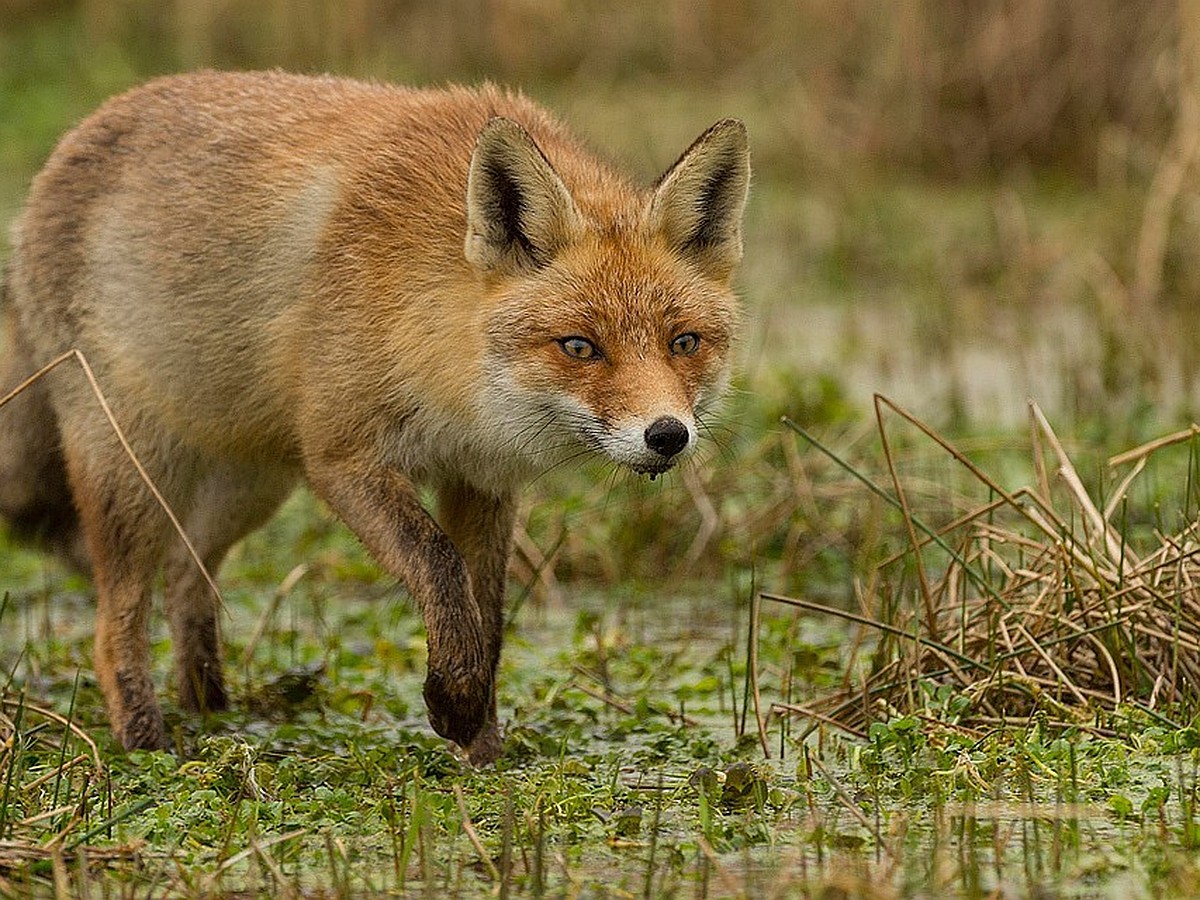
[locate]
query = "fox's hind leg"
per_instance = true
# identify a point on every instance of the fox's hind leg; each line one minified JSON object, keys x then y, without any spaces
{"x":126,"y":532}
{"x":228,"y":504}
{"x":35,"y":497}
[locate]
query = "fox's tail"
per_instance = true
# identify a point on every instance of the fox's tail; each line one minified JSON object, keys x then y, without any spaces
{"x":35,"y":497}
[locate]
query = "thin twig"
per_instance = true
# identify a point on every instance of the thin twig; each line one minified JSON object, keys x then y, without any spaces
{"x":473,"y":836}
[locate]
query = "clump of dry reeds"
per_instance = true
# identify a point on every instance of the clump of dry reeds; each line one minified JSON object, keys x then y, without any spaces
{"x":1040,"y":601}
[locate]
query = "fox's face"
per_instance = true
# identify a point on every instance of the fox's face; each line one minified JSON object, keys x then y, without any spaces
{"x":614,"y":348}
{"x":606,"y":337}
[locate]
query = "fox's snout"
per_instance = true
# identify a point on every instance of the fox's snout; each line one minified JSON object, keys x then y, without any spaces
{"x":667,"y":436}
{"x":647,"y":449}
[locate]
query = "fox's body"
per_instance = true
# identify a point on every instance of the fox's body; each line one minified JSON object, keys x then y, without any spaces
{"x":369,"y":287}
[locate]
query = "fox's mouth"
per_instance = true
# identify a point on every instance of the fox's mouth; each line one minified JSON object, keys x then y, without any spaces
{"x":655,"y":470}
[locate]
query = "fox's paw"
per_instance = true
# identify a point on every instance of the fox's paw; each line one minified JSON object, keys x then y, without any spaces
{"x":202,"y":691}
{"x":142,"y":729}
{"x":486,"y":747}
{"x":458,"y":706}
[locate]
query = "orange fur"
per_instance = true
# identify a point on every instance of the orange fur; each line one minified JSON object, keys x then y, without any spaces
{"x":369,"y":287}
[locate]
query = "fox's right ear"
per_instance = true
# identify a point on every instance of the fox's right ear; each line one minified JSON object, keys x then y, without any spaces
{"x":519,"y":212}
{"x":698,"y":204}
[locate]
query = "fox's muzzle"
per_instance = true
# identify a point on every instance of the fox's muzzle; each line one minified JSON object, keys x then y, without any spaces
{"x":666,"y":436}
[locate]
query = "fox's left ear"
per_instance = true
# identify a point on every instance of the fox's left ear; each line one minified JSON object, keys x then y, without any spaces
{"x":698,"y":204}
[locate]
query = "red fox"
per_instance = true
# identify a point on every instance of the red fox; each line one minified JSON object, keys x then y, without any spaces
{"x":369,"y":287}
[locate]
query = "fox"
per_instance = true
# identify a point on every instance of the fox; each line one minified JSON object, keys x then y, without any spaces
{"x":373,"y":289}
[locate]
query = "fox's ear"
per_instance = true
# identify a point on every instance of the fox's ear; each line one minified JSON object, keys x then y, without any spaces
{"x":519,"y":212}
{"x":698,"y":204}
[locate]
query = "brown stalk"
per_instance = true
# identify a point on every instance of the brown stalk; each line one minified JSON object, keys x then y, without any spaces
{"x":918,"y":559}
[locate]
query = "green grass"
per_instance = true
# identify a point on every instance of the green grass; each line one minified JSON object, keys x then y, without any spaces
{"x":635,"y":762}
{"x":328,"y":781}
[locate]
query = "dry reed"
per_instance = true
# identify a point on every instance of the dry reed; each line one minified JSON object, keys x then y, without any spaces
{"x":1037,"y":602}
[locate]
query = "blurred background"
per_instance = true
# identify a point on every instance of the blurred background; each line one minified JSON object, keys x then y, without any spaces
{"x":958,"y":203}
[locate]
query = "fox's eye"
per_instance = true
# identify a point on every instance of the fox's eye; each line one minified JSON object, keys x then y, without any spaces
{"x":685,"y":344}
{"x":578,"y":348}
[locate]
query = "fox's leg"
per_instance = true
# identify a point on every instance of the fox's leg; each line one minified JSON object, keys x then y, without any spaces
{"x":227,"y":504}
{"x":34,"y":495}
{"x":125,"y":531}
{"x":481,"y":526}
{"x":381,"y":506}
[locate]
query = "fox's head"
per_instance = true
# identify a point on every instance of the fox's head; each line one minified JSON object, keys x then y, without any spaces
{"x":610,"y":314}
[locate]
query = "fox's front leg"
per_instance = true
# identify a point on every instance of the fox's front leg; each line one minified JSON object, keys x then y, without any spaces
{"x":380,"y":505}
{"x":481,"y":526}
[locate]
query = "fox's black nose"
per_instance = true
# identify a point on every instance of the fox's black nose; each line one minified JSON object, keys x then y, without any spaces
{"x":666,"y":436}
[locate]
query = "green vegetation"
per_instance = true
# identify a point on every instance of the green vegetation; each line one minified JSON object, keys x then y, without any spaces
{"x":935,"y":646}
